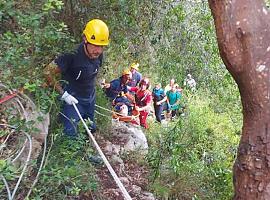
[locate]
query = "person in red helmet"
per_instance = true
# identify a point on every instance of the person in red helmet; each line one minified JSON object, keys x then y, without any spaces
{"x":143,"y":98}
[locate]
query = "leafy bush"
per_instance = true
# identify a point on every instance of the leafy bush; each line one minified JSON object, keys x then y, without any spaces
{"x":193,"y":157}
{"x":30,"y":39}
{"x":196,"y":153}
{"x":68,"y":172}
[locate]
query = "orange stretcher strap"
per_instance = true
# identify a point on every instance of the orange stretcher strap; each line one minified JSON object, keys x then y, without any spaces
{"x":135,"y":114}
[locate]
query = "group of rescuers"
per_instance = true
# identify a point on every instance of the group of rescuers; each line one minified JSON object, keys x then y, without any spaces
{"x":78,"y":71}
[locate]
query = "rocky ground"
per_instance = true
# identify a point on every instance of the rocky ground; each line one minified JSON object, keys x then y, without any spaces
{"x":125,"y":149}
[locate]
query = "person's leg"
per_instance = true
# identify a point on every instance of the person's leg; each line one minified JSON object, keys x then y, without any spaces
{"x":156,"y":108}
{"x":143,"y":117}
{"x":70,"y":119}
{"x":173,"y":113}
{"x":168,"y":111}
{"x":159,"y":111}
{"x":90,"y":108}
{"x":163,"y":112}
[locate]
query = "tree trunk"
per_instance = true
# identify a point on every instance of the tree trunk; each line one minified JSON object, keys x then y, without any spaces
{"x":243,"y":35}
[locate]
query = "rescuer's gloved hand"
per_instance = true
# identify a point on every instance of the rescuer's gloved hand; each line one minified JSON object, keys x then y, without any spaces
{"x":68,"y":98}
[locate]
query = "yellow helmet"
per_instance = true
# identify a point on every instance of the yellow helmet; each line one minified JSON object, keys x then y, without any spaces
{"x":135,"y":66}
{"x":126,"y":72}
{"x":97,"y":32}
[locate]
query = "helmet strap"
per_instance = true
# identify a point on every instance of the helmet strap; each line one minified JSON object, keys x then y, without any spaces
{"x":85,"y":46}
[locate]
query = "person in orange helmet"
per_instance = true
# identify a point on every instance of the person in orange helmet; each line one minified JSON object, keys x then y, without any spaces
{"x":118,"y":85}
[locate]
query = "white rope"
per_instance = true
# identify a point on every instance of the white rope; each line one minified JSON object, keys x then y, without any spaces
{"x":3,"y":144}
{"x":113,"y":119}
{"x":19,"y":154}
{"x":39,"y":170}
{"x":110,"y":110}
{"x":103,"y":114}
{"x":26,"y":162}
{"x":133,"y":117}
{"x":7,"y":187}
{"x":104,"y":108}
{"x":11,"y":196}
{"x":25,"y":166}
{"x":114,"y":175}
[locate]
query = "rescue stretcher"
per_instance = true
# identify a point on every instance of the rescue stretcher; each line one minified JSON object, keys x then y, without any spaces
{"x":133,"y":118}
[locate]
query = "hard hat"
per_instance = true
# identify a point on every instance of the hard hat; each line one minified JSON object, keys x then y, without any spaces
{"x":135,"y":66}
{"x":126,"y":72}
{"x":97,"y":32}
{"x":121,"y":94}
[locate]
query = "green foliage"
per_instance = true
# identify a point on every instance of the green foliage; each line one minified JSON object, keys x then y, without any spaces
{"x":267,"y":2}
{"x":7,"y":170}
{"x":52,"y":5}
{"x":193,"y":158}
{"x":196,"y":153}
{"x":102,"y":116}
{"x":68,"y":172}
{"x":30,"y":39}
{"x":3,"y":133}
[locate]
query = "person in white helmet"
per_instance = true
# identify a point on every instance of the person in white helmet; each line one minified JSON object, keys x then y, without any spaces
{"x":190,"y":83}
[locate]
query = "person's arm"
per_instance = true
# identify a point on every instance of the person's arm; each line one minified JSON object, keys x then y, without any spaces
{"x":130,"y":97}
{"x":144,"y":108}
{"x":176,"y":103}
{"x":185,"y":82}
{"x":162,"y":100}
{"x":148,"y":100}
{"x":52,"y":75}
{"x":132,"y":89}
{"x":106,"y":85}
{"x":139,"y":78}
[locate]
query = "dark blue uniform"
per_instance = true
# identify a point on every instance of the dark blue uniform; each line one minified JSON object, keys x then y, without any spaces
{"x":122,"y":100}
{"x":158,"y":94}
{"x":79,"y":73}
{"x":115,"y":88}
{"x":135,"y":79}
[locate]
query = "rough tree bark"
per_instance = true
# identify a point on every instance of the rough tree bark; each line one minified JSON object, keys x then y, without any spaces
{"x":243,"y":35}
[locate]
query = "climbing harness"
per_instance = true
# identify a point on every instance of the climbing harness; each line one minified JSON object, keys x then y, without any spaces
{"x":112,"y":172}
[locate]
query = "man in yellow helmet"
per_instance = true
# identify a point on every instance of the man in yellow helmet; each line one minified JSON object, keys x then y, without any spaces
{"x":79,"y":70}
{"x":136,"y":75}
